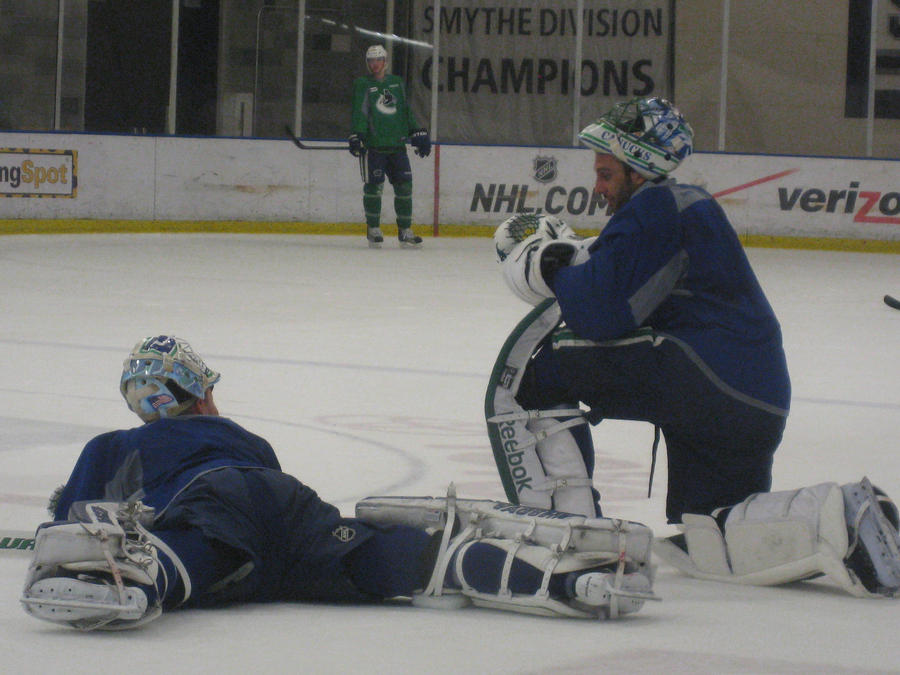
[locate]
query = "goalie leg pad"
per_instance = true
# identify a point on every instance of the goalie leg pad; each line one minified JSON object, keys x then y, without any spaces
{"x":780,"y":537}
{"x":769,"y":538}
{"x":557,"y":543}
{"x":562,"y":459}
{"x":102,"y":571}
{"x":540,"y":461}
{"x":603,"y":538}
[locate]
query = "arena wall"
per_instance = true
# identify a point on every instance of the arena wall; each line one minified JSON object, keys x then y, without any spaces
{"x":84,"y":182}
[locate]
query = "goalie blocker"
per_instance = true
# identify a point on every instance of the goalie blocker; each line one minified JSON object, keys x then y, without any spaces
{"x":605,"y":562}
{"x":847,"y":532}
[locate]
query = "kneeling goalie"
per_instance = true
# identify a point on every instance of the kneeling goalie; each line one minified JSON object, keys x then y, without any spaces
{"x":661,"y":319}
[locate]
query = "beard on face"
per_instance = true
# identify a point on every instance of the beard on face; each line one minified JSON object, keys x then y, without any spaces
{"x":617,"y":199}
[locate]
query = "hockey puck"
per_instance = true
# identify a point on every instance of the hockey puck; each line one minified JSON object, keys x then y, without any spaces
{"x":892,"y":302}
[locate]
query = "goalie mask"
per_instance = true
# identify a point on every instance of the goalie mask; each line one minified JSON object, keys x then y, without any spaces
{"x":163,"y":376}
{"x":647,"y":134}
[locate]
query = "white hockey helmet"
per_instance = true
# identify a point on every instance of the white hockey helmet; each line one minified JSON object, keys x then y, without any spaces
{"x":649,"y":134}
{"x":376,"y":52}
{"x":163,"y":376}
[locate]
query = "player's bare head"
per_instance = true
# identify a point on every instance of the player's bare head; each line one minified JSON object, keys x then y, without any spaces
{"x":164,"y":377}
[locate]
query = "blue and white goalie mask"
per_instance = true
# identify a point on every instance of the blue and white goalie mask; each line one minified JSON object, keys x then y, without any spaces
{"x":648,"y":134}
{"x":163,"y":376}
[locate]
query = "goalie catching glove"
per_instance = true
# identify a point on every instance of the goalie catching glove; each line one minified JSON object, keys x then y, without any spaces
{"x":532,"y":249}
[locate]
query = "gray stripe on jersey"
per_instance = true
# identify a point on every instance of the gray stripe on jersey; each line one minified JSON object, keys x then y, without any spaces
{"x":686,"y":195}
{"x":654,"y":291}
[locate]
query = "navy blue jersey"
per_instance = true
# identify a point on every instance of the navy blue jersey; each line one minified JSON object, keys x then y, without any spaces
{"x":154,"y":462}
{"x":670,"y":260}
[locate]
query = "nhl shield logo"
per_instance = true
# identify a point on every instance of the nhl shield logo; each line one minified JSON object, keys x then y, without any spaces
{"x":544,"y":169}
{"x":343,"y":533}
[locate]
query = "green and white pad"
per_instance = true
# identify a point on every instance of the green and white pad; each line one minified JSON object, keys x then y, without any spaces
{"x":550,"y":540}
{"x":538,"y":458}
{"x":779,"y":537}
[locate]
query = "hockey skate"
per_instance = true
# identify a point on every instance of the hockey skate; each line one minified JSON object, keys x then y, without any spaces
{"x":602,"y":594}
{"x":408,"y":238}
{"x":374,"y":237}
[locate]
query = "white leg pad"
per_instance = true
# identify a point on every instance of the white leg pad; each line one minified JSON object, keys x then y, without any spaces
{"x":548,"y":540}
{"x":706,"y":544}
{"x":521,"y":469}
{"x":566,"y":476}
{"x":538,"y":458}
{"x":770,"y":538}
{"x":601,"y":539}
{"x":86,"y":574}
{"x":770,"y":530}
{"x":779,"y":537}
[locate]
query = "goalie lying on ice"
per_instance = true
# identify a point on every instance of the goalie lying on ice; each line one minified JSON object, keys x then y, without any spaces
{"x":191,"y":509}
{"x":108,"y":569}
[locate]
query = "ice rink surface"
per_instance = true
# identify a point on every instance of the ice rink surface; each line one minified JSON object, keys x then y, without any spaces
{"x":366,"y":369}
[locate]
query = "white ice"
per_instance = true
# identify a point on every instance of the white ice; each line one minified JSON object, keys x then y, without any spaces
{"x":366,"y":369}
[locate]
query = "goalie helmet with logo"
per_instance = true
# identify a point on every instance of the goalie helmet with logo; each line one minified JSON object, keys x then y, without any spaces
{"x":163,"y":376}
{"x":649,"y":134}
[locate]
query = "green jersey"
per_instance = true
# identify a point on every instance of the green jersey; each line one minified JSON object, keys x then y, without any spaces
{"x":381,"y":114}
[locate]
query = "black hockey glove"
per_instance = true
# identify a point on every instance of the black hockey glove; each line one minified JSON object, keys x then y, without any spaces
{"x":357,"y":149}
{"x":420,"y":140}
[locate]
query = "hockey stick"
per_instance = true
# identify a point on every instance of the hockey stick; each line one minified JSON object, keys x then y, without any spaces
{"x":892,"y":302}
{"x":15,"y":541}
{"x":300,"y":144}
